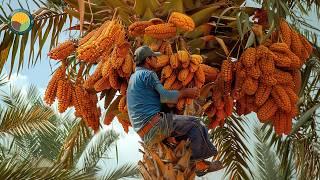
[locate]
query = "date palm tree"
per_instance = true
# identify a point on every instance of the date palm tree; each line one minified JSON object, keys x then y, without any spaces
{"x":37,"y":143}
{"x":221,"y":25}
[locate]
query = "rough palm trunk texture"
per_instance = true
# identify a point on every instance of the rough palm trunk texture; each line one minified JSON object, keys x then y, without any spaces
{"x":163,"y":162}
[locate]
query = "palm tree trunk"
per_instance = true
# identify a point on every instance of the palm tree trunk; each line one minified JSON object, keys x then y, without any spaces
{"x":168,"y":163}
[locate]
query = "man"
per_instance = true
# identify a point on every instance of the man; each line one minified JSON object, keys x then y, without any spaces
{"x":144,"y":97}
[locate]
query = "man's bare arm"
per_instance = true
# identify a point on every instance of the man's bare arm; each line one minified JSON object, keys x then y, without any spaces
{"x":189,"y":93}
{"x":172,"y":96}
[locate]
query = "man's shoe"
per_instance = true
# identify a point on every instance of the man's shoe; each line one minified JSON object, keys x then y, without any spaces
{"x":204,"y":167}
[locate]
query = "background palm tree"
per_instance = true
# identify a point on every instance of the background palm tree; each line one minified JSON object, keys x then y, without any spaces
{"x":300,"y":149}
{"x":267,"y":162}
{"x":38,"y":143}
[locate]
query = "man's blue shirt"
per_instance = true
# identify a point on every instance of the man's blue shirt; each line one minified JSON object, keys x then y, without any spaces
{"x":145,"y":94}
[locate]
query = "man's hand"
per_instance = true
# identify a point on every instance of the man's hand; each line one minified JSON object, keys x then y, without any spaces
{"x":190,"y":93}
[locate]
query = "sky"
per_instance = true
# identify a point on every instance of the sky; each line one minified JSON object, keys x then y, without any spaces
{"x":39,"y":75}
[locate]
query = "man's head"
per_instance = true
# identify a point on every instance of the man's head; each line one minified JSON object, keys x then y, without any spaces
{"x":142,"y":54}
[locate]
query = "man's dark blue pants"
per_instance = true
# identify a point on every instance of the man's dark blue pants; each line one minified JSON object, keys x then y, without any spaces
{"x":183,"y":127}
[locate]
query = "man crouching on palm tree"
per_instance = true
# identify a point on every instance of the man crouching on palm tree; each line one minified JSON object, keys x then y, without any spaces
{"x":145,"y":94}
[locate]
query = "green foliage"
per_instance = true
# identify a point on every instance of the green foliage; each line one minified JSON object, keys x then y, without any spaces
{"x":11,"y":168}
{"x":231,"y":141}
{"x":24,"y":114}
{"x":47,"y":23}
{"x":125,"y":170}
{"x":97,"y":148}
{"x":75,"y":137}
{"x":267,"y":161}
{"x":29,"y":150}
{"x":305,"y":136}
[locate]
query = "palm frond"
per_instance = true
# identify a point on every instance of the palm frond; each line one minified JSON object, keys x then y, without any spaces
{"x":48,"y":146}
{"x":286,"y":168}
{"x":56,"y":4}
{"x":307,"y":156}
{"x":96,"y":149}
{"x":47,"y":23}
{"x":75,"y":137}
{"x":33,"y":95}
{"x":126,"y":170}
{"x":98,"y":11}
{"x":3,"y":80}
{"x":16,"y":96}
{"x":231,"y":142}
{"x":316,"y":147}
{"x":309,"y":99}
{"x":310,"y":77}
{"x":22,"y":117}
{"x":6,"y":147}
{"x":266,"y":160}
{"x":12,"y":168}
{"x":12,"y":98}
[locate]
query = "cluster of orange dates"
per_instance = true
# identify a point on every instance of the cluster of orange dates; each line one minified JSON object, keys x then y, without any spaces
{"x":265,"y":80}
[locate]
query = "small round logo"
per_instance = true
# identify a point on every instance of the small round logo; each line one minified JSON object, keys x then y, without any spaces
{"x":21,"y":21}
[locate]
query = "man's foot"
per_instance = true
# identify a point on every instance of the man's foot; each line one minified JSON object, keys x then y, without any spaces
{"x":203,"y":167}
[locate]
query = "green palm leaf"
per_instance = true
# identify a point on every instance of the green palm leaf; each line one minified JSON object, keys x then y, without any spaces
{"x":22,"y":117}
{"x":96,"y":149}
{"x":305,"y":149}
{"x":50,"y":146}
{"x":11,"y":168}
{"x":47,"y":23}
{"x":231,"y":140}
{"x":75,"y":138}
{"x":41,"y":155}
{"x":3,"y":80}
{"x":266,"y":160}
{"x":126,"y":170}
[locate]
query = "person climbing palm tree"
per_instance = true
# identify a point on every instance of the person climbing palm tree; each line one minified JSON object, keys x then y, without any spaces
{"x":145,"y":94}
